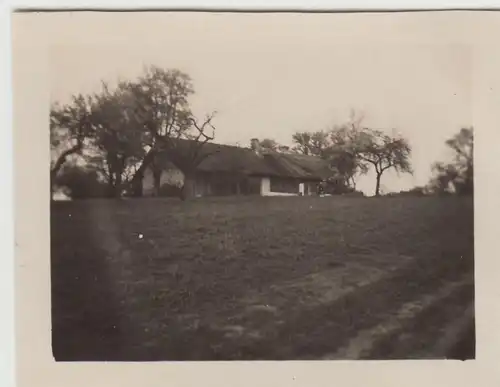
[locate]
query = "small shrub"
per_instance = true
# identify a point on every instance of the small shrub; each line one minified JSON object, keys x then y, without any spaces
{"x":169,"y":190}
{"x":81,"y":183}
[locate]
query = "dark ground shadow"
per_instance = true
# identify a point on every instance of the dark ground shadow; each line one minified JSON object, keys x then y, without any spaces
{"x":465,"y":349}
{"x":84,"y":328}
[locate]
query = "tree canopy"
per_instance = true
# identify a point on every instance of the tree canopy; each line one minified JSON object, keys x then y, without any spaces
{"x":311,"y":143}
{"x":352,"y":150}
{"x":382,"y":151}
{"x":70,"y":125}
{"x":125,"y":128}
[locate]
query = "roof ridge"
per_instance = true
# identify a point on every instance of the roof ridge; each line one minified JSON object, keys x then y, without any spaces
{"x":215,"y":143}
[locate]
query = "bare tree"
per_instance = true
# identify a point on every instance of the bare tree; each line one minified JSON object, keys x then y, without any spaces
{"x":383,"y":152}
{"x":187,"y":150}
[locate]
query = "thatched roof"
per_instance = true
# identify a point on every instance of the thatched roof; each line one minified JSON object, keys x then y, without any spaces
{"x":299,"y":166}
{"x":233,"y":159}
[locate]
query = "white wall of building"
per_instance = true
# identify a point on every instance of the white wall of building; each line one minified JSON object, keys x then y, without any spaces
{"x":175,"y":177}
{"x":301,"y":188}
{"x":265,"y":186}
{"x":265,"y":189}
{"x":270,"y":193}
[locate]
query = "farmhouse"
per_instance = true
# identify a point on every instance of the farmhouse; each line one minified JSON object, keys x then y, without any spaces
{"x":232,"y":170}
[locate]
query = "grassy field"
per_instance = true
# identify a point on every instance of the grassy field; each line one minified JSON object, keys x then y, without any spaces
{"x":263,"y":278}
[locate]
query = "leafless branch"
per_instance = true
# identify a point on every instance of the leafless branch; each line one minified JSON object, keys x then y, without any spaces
{"x":62,"y":158}
{"x":201,"y":129}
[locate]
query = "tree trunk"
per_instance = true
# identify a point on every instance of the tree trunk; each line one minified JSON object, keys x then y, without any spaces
{"x":156,"y":181}
{"x":136,"y":186}
{"x":353,"y":183}
{"x":62,"y":159}
{"x":111,"y":186}
{"x":117,"y":192}
{"x":377,"y":187}
{"x":188,"y":188}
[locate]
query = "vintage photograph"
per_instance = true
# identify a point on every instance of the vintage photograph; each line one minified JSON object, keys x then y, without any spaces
{"x":258,"y":186}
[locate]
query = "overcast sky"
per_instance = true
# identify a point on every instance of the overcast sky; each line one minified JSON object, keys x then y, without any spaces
{"x":270,"y":75}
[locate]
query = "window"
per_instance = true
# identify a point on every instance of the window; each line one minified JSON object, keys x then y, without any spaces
{"x":284,"y":185}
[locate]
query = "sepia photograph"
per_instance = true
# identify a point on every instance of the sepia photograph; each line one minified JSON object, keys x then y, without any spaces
{"x":258,"y":186}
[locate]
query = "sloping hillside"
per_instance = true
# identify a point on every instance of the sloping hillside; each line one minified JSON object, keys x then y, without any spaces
{"x":263,"y":278}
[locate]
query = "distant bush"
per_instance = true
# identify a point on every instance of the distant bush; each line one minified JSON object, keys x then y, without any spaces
{"x":169,"y":190}
{"x":456,"y":177}
{"x":416,"y":191}
{"x":357,"y":194}
{"x":81,"y":183}
{"x":339,"y":187}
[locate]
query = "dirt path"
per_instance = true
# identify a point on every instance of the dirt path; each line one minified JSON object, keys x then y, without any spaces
{"x":362,"y":345}
{"x":400,"y":313}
